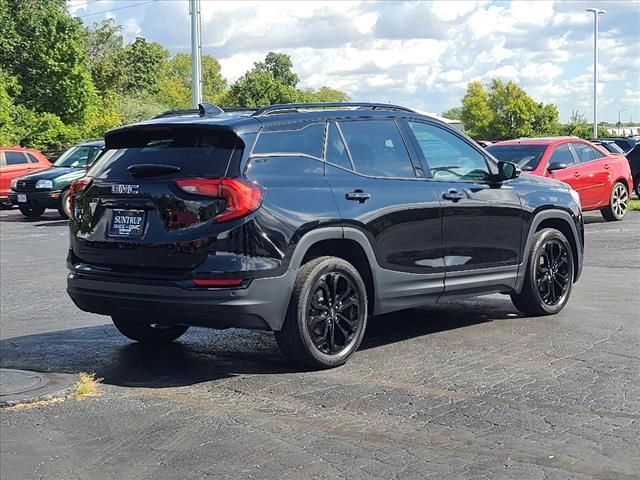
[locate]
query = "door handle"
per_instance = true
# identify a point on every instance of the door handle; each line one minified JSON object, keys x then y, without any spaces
{"x":453,"y":194}
{"x":577,"y":175}
{"x":358,"y":195}
{"x":606,"y":166}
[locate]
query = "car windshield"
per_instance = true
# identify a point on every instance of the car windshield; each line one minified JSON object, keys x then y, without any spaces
{"x":526,"y":156}
{"x":78,"y":157}
{"x":612,"y":147}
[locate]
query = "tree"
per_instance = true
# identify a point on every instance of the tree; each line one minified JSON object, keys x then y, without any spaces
{"x":104,"y":46}
{"x":546,"y":121}
{"x":48,"y":58}
{"x":453,"y":113}
{"x":324,"y":94}
{"x":257,"y":89}
{"x":476,"y":115}
{"x":142,"y":61}
{"x":280,"y":66}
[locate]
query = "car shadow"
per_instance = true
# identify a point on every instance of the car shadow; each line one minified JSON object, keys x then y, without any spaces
{"x":208,"y":355}
{"x":14,"y":216}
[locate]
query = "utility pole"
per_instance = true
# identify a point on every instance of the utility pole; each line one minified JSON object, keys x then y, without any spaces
{"x":596,"y":12}
{"x":196,"y":52}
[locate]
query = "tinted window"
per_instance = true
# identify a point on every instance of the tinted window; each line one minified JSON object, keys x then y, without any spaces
{"x":449,"y":157}
{"x":32,"y":159}
{"x":585,"y":152}
{"x":562,"y":154}
{"x":15,"y":158}
{"x":77,"y":157}
{"x":527,"y":156}
{"x":336,"y":150}
{"x":202,"y":151}
{"x":377,"y":149}
{"x":306,"y":139}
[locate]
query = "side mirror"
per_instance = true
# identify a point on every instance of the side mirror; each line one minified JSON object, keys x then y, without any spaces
{"x":556,"y":166}
{"x":508,"y":170}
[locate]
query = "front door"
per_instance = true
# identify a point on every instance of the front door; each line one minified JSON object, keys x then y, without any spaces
{"x":481,"y":221}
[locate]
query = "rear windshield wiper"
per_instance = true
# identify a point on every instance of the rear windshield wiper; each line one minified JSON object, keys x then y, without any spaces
{"x":151,"y":170}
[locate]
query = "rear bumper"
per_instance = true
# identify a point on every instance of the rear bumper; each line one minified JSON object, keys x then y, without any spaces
{"x":46,"y":199}
{"x":261,"y":305}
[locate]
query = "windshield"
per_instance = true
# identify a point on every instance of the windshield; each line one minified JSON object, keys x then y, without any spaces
{"x":526,"y":156}
{"x":612,"y":147}
{"x":78,"y":157}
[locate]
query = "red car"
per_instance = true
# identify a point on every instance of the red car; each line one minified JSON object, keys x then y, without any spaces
{"x":602,"y":179}
{"x":15,"y":162}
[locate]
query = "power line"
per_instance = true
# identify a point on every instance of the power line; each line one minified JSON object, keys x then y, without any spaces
{"x":119,"y":8}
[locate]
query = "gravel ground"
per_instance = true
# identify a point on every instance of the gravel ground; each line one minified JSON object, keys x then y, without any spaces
{"x":468,"y":389}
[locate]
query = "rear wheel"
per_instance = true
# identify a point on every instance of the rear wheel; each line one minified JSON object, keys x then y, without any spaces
{"x":64,"y":209}
{"x":31,"y":212}
{"x":618,"y":203}
{"x":148,"y":332}
{"x":327,"y":314}
{"x":549,"y":276}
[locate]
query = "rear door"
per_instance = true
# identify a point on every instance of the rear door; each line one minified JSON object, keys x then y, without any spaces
{"x":142,"y":208}
{"x":381,"y":191}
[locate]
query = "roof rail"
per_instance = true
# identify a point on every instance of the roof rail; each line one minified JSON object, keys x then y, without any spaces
{"x":289,"y":107}
{"x":202,"y":110}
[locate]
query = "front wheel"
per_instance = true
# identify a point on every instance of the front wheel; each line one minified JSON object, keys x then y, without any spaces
{"x":31,"y":212}
{"x":327,"y":314}
{"x":549,"y":276}
{"x":618,"y":203}
{"x":147,"y":332}
{"x":64,"y":209}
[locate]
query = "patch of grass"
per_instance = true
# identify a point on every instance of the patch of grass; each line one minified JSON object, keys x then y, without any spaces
{"x":86,"y":386}
{"x":634,"y":205}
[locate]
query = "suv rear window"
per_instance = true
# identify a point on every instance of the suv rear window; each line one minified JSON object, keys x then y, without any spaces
{"x":198,"y":151}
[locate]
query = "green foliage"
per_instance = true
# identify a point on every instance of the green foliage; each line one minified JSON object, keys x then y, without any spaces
{"x":279,"y":65}
{"x":104,"y":46}
{"x":324,"y":94}
{"x":506,"y":111}
{"x":453,"y":113}
{"x":142,"y":61}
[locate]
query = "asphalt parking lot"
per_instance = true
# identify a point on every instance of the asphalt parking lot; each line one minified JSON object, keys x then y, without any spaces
{"x":466,"y":390}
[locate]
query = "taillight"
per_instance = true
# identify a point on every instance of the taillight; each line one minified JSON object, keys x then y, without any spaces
{"x":242,"y":197}
{"x":80,"y":185}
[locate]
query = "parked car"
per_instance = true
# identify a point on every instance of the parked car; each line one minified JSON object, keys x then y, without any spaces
{"x":304,"y":219}
{"x":609,"y":145}
{"x":603,"y":180}
{"x":49,"y":188}
{"x":625,"y":143}
{"x":634,"y":163}
{"x":14,"y":162}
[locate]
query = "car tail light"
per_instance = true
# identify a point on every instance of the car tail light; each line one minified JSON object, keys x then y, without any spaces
{"x":242,"y":197}
{"x":80,"y":185}
{"x":217,"y":282}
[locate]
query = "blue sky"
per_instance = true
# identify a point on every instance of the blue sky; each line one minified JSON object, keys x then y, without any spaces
{"x":420,"y":54}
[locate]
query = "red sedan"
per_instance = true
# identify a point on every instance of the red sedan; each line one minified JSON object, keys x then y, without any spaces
{"x":15,"y":162}
{"x":602,"y":179}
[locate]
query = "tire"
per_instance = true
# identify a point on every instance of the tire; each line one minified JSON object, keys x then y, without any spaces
{"x":618,"y":203}
{"x":65,"y":206}
{"x":145,"y":333}
{"x":337,"y":332}
{"x":31,"y":212}
{"x":549,"y":277}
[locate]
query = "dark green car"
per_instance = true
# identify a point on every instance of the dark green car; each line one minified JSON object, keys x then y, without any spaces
{"x":49,"y":188}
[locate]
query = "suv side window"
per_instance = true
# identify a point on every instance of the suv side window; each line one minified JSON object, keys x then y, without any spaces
{"x":336,"y":151}
{"x":585,"y":152}
{"x":305,"y":139}
{"x":449,"y":157}
{"x":15,"y":158}
{"x":377,"y":149}
{"x":562,"y":154}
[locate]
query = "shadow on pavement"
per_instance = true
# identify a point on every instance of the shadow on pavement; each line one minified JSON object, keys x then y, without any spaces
{"x":14,"y":216}
{"x":207,"y":355}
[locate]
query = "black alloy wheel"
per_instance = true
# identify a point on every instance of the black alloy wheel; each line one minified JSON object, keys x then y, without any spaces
{"x":552,"y":272}
{"x":333,"y":313}
{"x":327,"y":314}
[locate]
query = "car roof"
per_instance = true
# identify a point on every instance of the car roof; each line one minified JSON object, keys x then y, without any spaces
{"x":91,"y":143}
{"x":251,"y":120}
{"x":537,"y":141}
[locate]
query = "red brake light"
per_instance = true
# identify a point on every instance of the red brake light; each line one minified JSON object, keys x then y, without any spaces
{"x":242,"y":197}
{"x":80,"y":185}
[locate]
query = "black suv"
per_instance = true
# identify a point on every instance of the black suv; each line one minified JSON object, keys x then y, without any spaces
{"x":304,"y":219}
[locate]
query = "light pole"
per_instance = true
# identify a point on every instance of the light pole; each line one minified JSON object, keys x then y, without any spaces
{"x":619,"y":118}
{"x":196,"y":50}
{"x":596,"y":12}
